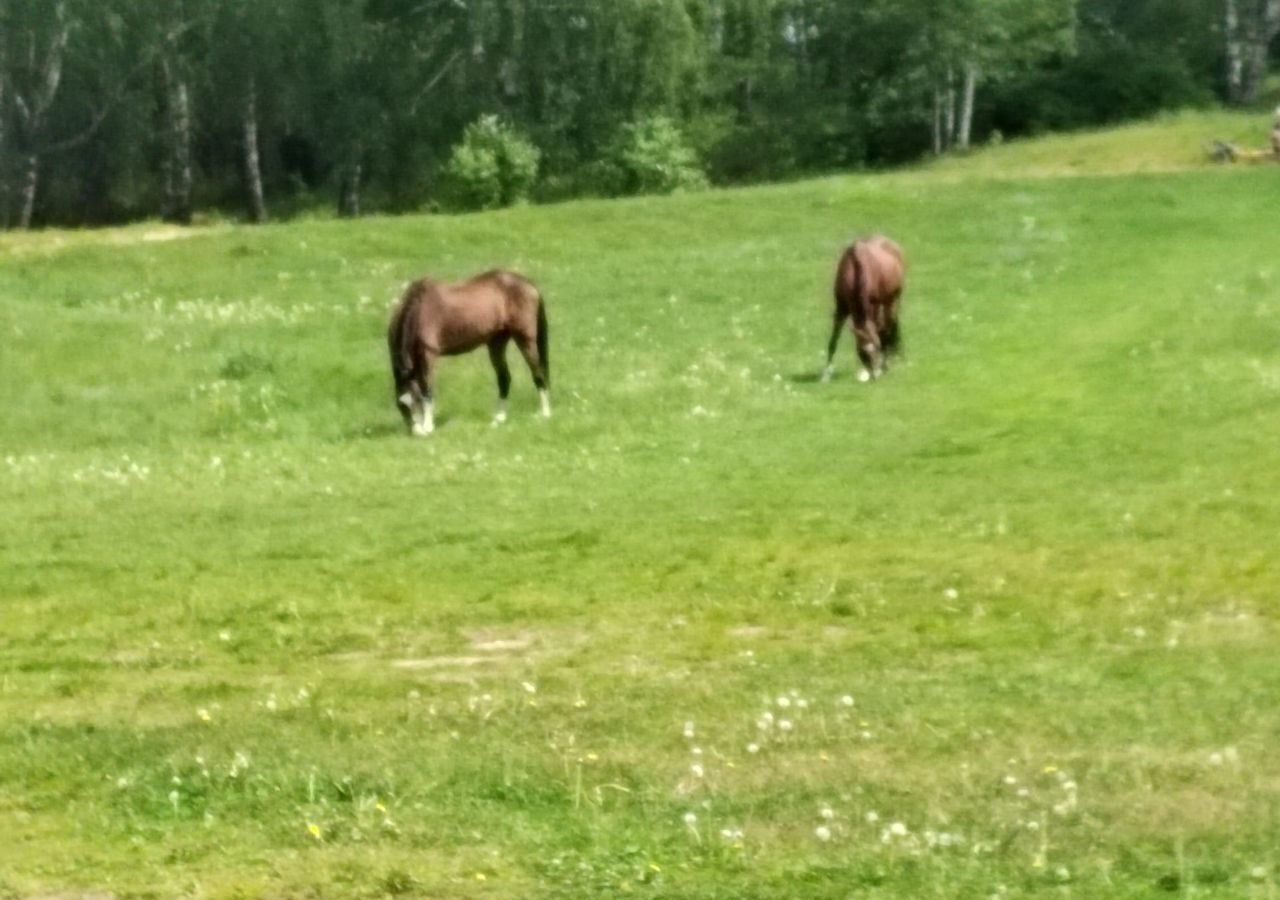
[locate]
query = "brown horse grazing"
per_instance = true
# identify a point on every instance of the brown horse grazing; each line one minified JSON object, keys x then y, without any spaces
{"x":869,"y":282}
{"x":434,"y":320}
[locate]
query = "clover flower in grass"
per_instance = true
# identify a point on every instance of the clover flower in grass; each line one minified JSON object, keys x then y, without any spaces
{"x":822,"y":833}
{"x":872,"y":817}
{"x":688,"y":731}
{"x":846,"y":700}
{"x":894,"y":830}
{"x":827,"y":812}
{"x":753,"y":748}
{"x":314,"y":830}
{"x":203,"y":715}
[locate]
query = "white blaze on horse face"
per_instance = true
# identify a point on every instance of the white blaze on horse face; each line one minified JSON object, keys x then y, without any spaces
{"x":544,"y":400}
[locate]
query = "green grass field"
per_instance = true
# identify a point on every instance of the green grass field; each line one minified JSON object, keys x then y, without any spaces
{"x":1002,"y":624}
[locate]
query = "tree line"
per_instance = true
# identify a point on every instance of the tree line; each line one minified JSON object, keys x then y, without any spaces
{"x":120,"y":109}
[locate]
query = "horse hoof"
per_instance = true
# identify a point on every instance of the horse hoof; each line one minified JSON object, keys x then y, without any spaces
{"x":864,"y":376}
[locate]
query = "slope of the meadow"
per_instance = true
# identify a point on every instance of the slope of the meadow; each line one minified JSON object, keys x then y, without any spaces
{"x":1004,"y":623}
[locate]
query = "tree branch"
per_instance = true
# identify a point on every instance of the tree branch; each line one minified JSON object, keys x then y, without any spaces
{"x":435,"y":79}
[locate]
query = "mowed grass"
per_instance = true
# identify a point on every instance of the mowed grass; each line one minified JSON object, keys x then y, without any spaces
{"x":1003,"y":623}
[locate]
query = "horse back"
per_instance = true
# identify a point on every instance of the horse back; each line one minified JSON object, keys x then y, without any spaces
{"x":871,"y":273}
{"x":456,"y":318}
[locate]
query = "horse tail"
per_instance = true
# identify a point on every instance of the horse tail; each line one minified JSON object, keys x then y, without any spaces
{"x":543,"y":350}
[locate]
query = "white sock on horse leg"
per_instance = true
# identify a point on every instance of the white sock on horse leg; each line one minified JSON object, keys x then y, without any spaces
{"x":544,"y":401}
{"x":501,"y":415}
{"x":424,"y":421}
{"x":826,"y":373}
{"x":864,"y":375}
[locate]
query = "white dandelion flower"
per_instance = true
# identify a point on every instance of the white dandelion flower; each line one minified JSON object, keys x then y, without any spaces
{"x":690,"y":819}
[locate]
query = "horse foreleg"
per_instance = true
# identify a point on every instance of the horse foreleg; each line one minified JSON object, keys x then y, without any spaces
{"x":836,"y":327}
{"x":867,"y":337}
{"x":529,"y":350}
{"x":498,"y":356}
{"x":424,"y":420}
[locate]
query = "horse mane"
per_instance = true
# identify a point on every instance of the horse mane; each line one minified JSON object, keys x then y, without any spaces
{"x":404,"y":334}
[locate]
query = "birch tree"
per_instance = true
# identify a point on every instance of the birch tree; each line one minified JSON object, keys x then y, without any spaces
{"x":1249,"y":27}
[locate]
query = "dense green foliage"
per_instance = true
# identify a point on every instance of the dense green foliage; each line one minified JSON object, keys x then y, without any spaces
{"x":492,"y":166}
{"x":1015,"y":604}
{"x":364,"y":102}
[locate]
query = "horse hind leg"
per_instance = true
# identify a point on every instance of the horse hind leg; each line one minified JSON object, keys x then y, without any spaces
{"x":498,"y":356}
{"x":528,"y":347}
{"x":837,"y":325}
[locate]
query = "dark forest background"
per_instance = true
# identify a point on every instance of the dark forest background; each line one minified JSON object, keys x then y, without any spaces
{"x":112,"y":110}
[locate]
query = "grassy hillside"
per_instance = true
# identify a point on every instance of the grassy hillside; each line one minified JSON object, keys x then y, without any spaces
{"x":1172,"y":142}
{"x":1001,"y":624}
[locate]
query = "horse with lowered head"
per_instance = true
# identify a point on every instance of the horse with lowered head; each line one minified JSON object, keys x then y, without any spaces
{"x":434,"y":320}
{"x":869,"y":280}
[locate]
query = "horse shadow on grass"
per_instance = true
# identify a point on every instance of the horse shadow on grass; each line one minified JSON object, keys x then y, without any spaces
{"x":385,"y":430}
{"x":807,"y":377}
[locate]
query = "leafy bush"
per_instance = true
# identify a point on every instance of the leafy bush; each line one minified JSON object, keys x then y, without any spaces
{"x":652,"y":157}
{"x":493,"y":166}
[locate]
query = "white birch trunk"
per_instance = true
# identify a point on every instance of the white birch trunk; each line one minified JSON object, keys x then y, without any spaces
{"x":177,"y":203}
{"x":971,"y":73}
{"x":27,"y":193}
{"x":1247,"y":43}
{"x":252,"y":162}
{"x":4,"y":150}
